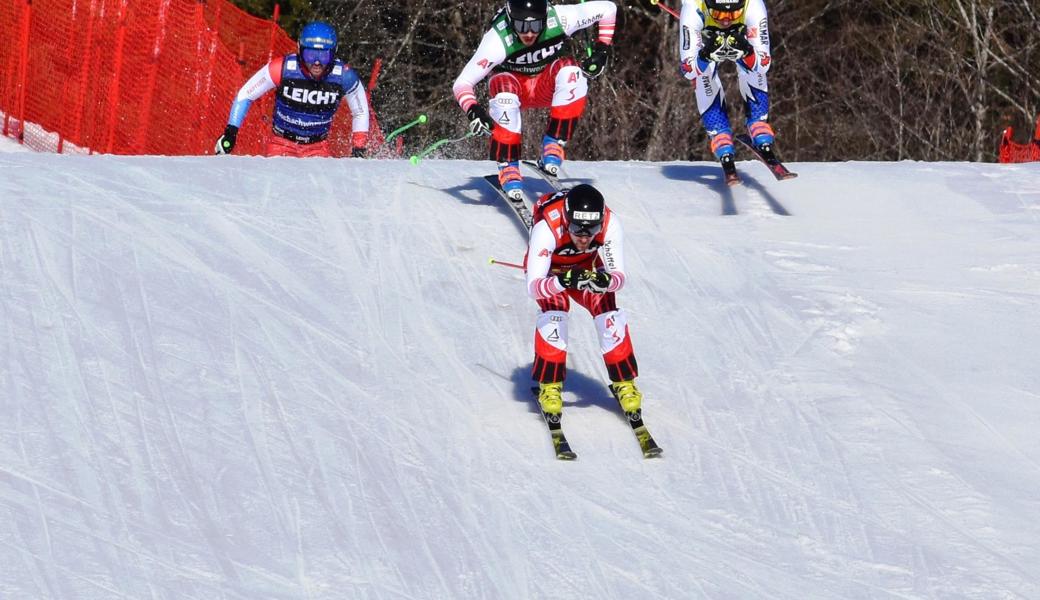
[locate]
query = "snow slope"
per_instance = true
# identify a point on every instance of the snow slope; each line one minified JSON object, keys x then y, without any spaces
{"x":246,"y":378}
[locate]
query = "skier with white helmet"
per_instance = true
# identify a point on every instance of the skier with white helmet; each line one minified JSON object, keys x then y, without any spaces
{"x":310,"y":83}
{"x":524,"y":52}
{"x":713,"y":32}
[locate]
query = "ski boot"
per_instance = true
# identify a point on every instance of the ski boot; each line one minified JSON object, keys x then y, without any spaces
{"x":631,"y":401}
{"x":552,"y":155}
{"x":628,"y":396}
{"x":550,"y":399}
{"x":763,"y":137}
{"x":729,"y":169}
{"x":511,"y":180}
{"x":768,"y":154}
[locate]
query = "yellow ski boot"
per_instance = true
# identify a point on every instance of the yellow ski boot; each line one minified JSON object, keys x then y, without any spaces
{"x":550,"y":398}
{"x":628,"y":395}
{"x":631,"y":401}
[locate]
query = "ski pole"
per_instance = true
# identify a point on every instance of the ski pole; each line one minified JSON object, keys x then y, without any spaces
{"x":492,"y":261}
{"x":417,"y":121}
{"x":415,"y":158}
{"x":665,"y":8}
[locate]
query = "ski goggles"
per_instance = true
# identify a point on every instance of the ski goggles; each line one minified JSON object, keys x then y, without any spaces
{"x":726,"y":15}
{"x":311,"y":56}
{"x":584,"y":229}
{"x":528,"y":25}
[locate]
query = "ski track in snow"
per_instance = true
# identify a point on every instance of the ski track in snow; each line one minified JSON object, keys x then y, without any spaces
{"x":245,"y":378}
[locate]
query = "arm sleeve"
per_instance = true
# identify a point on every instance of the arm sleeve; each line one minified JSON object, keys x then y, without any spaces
{"x":541,"y":285}
{"x":263,"y":81}
{"x":575,"y":17}
{"x":489,"y":54}
{"x":357,"y":100}
{"x":757,"y":21}
{"x":691,"y":22}
{"x":612,"y":252}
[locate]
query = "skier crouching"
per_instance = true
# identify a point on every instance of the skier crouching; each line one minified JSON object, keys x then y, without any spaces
{"x":713,"y":32}
{"x":576,"y":253}
{"x":525,"y":49}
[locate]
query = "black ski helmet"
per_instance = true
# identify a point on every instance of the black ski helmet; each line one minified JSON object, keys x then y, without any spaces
{"x":527,"y":15}
{"x":584,"y":209}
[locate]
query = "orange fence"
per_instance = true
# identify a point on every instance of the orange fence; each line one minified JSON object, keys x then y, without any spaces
{"x":139,"y":76}
{"x":1013,"y":152}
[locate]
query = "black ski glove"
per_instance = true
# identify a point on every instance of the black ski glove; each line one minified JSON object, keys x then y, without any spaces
{"x":597,"y":62}
{"x":736,"y":39}
{"x":713,"y":39}
{"x":226,"y":143}
{"x":570,"y":278}
{"x":594,"y":281}
{"x":480,"y":122}
{"x":358,"y":152}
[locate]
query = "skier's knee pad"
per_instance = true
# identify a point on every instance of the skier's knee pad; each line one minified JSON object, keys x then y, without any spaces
{"x":612,"y":330}
{"x":568,"y":102}
{"x":506,"y":138}
{"x":571,"y":88}
{"x":504,"y":108}
{"x":550,"y":340}
{"x":616,"y":344}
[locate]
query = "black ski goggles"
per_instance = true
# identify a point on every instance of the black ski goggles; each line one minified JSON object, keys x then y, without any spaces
{"x":528,"y":25}
{"x":584,"y":229}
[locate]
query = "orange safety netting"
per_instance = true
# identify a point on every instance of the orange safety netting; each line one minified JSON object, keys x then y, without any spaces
{"x":140,"y":76}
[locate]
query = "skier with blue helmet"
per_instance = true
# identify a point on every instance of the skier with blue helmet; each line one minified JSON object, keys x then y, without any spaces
{"x":310,"y":83}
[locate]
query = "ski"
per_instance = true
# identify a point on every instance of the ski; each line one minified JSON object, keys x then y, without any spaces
{"x":774,"y":165}
{"x":646,"y":441}
{"x":553,"y":180}
{"x":559,"y":441}
{"x":519,"y":207}
{"x":635,"y":420}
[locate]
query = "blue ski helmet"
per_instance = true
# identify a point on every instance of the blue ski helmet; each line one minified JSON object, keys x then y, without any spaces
{"x":318,"y":44}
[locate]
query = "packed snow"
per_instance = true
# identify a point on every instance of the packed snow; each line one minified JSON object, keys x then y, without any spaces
{"x":248,"y":378}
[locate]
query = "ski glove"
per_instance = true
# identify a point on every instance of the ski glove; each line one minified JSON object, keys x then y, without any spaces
{"x":480,"y":122}
{"x":570,"y":278}
{"x":721,"y":45}
{"x":594,"y":281}
{"x":736,"y":39}
{"x":596,"y":62}
{"x":226,"y":143}
{"x":358,"y":152}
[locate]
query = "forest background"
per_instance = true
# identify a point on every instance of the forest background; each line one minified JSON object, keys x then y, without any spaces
{"x":850,"y":80}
